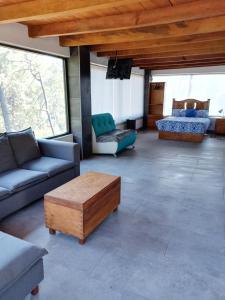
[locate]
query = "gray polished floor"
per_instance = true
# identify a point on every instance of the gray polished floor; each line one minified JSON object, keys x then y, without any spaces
{"x":166,"y":241}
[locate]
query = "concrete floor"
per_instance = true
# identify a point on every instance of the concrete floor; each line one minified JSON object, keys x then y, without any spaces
{"x":166,"y":241}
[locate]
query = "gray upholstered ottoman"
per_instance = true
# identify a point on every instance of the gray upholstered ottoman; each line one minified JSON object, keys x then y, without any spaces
{"x":21,"y":268}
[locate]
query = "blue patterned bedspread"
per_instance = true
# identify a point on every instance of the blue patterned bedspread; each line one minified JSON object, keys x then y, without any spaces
{"x":183,"y":124}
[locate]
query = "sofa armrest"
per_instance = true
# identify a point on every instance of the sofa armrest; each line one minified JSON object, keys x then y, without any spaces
{"x":59,"y":149}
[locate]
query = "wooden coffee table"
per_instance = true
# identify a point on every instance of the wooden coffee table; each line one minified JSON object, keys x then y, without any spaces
{"x":79,"y":206}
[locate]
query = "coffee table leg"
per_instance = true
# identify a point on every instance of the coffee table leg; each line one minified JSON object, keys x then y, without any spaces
{"x":35,"y":291}
{"x":52,"y":231}
{"x":82,"y":241}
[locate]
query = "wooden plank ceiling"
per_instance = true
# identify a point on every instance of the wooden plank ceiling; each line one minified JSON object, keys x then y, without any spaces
{"x":157,"y":34}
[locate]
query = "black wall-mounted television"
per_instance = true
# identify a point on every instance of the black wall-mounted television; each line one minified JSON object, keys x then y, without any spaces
{"x":119,"y":69}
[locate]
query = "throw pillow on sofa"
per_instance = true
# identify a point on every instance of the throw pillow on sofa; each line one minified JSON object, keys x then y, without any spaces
{"x":7,"y":159}
{"x":24,"y":145}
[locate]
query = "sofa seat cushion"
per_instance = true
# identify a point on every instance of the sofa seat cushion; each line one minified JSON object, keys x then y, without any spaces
{"x":49,"y":165}
{"x":16,"y":258}
{"x":18,"y":179}
{"x":116,"y":135}
{"x":3,"y":193}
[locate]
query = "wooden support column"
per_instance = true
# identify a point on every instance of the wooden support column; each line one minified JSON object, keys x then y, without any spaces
{"x":80,"y":98}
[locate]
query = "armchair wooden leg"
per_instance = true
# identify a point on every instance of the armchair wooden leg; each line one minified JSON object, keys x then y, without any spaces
{"x":35,"y":291}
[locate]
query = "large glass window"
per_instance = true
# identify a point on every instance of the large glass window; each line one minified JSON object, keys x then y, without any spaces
{"x":200,"y":87}
{"x":122,"y":98}
{"x":32,"y":92}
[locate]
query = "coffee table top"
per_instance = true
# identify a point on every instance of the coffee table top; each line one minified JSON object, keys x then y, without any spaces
{"x":82,"y":191}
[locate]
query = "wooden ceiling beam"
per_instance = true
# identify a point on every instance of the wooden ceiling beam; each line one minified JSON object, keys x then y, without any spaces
{"x":208,"y":25}
{"x":175,"y":53}
{"x":179,"y":59}
{"x":180,"y":66}
{"x":150,"y":63}
{"x":182,"y":12}
{"x":189,"y":46}
{"x":203,"y":62}
{"x":216,"y":62}
{"x":37,"y":9}
{"x":197,"y":38}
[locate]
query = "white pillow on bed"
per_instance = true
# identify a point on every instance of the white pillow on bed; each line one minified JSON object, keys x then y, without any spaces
{"x":202,"y":113}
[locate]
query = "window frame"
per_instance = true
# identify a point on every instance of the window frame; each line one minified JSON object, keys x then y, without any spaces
{"x":65,"y":83}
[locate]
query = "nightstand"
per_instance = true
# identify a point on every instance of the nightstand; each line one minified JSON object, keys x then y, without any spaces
{"x":152,"y":119}
{"x":220,"y":126}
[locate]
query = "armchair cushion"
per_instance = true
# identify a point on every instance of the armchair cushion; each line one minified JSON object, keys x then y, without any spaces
{"x":24,"y":145}
{"x":49,"y":165}
{"x":103,"y":123}
{"x":7,"y":159}
{"x":18,"y":179}
{"x":116,"y":135}
{"x":16,"y":258}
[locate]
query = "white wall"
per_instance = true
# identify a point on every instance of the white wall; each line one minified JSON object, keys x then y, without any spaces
{"x":196,"y":86}
{"x":17,"y":35}
{"x":122,"y":98}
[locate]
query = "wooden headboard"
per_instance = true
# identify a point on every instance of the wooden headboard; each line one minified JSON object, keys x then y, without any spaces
{"x":191,"y":103}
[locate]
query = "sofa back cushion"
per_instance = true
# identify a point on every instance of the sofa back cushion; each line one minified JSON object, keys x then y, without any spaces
{"x":24,"y":145}
{"x":7,"y":159}
{"x":103,"y":123}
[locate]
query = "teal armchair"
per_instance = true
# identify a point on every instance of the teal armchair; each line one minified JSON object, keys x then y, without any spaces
{"x":106,"y":139}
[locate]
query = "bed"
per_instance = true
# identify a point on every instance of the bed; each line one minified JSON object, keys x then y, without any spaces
{"x":189,"y":121}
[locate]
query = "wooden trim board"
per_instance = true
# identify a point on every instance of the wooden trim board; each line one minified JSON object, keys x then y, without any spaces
{"x":178,"y":136}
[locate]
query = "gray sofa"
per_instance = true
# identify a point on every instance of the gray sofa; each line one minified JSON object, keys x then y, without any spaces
{"x":30,"y":168}
{"x":21,"y":268}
